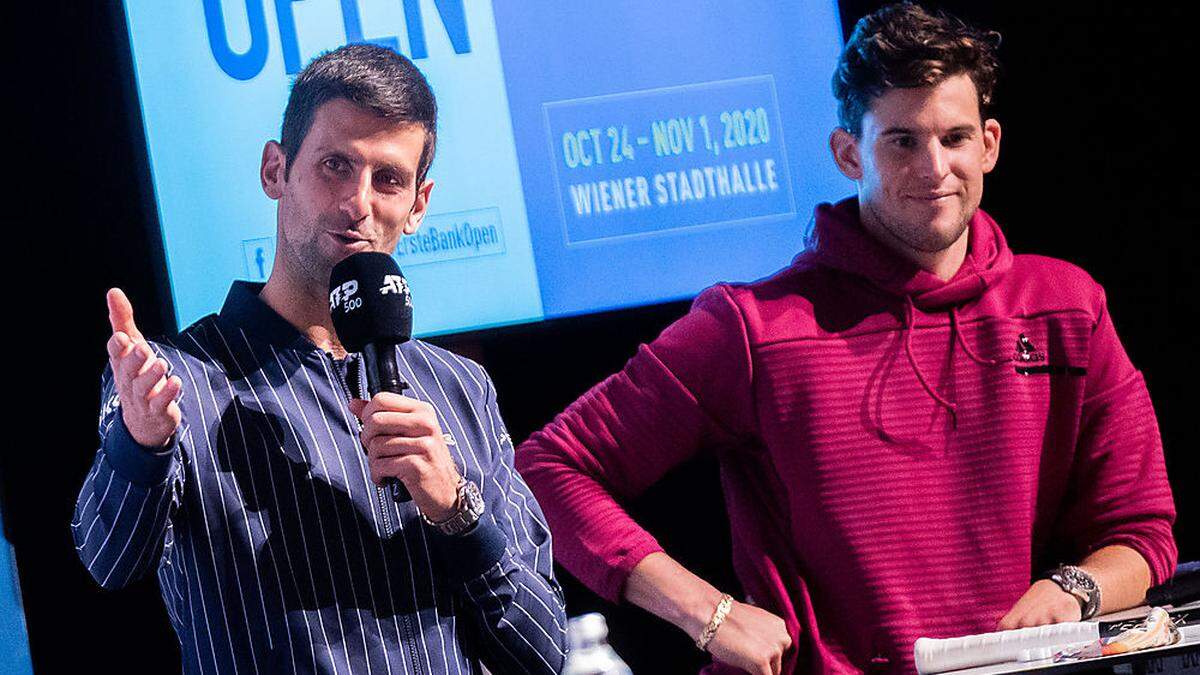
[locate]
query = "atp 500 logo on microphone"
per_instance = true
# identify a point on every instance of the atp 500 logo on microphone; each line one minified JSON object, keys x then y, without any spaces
{"x":394,"y":283}
{"x":344,"y":296}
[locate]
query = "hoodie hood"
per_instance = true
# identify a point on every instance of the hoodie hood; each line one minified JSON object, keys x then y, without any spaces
{"x":839,"y":241}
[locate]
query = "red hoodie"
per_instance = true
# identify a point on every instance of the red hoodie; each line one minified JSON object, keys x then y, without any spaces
{"x":899,"y":454}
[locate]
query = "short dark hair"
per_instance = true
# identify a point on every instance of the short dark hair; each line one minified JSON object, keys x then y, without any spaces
{"x":904,"y":46}
{"x":370,"y":76}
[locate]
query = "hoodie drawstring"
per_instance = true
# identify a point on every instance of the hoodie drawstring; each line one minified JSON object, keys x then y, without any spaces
{"x":967,"y":348}
{"x":909,"y":321}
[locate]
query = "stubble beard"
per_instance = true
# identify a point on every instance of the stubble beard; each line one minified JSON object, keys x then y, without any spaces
{"x":307,"y":266}
{"x":925,"y":239}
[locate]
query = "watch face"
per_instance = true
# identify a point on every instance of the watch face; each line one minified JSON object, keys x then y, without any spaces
{"x":472,"y":499}
{"x":1079,"y":578}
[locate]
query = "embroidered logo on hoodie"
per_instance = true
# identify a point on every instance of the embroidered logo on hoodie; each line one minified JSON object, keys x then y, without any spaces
{"x":1032,"y":361}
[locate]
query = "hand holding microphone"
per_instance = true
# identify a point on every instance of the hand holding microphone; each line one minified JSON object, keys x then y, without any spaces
{"x":404,"y":442}
{"x":147,"y":394}
{"x":371,"y":309}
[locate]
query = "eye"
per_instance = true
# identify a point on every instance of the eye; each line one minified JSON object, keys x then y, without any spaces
{"x":905,"y":142}
{"x":388,"y":179}
{"x":391,"y":181}
{"x":956,"y":139}
{"x":336,"y":164}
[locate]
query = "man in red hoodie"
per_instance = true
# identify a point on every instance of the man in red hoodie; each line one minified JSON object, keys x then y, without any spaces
{"x":919,"y":433}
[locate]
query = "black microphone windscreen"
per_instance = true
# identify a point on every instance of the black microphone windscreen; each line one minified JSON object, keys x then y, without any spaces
{"x":369,"y":301}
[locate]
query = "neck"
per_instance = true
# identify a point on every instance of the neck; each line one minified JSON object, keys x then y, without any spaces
{"x":943,"y":264}
{"x":303,"y":306}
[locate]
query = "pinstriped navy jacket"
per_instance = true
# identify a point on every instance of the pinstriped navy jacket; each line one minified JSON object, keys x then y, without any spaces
{"x":275,"y":552}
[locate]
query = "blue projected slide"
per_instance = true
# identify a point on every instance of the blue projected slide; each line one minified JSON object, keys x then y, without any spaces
{"x":14,"y":642}
{"x":590,"y":155}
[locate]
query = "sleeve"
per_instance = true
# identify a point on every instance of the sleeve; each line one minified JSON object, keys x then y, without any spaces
{"x":687,"y":391}
{"x":126,"y":500}
{"x":502,"y":569}
{"x":1120,"y":494}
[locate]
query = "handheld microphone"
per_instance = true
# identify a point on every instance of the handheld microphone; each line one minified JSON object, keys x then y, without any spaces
{"x":371,"y":308}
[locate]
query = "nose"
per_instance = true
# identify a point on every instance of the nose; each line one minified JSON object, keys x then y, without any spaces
{"x":356,"y":201}
{"x":934,"y":162}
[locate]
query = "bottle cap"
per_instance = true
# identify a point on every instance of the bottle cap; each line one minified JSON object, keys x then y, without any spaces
{"x":586,"y":630}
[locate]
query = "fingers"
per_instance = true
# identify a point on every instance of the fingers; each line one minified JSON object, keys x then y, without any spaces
{"x":165,"y":394}
{"x":398,"y":424}
{"x":399,"y":446}
{"x":118,"y":345}
{"x":1037,"y":617}
{"x":120,"y":314}
{"x":409,"y":470}
{"x":356,"y":407}
{"x":389,"y":402}
{"x":132,"y":362}
{"x":148,"y":376}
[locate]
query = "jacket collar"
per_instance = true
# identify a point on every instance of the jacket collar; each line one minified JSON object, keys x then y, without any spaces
{"x":245,"y":310}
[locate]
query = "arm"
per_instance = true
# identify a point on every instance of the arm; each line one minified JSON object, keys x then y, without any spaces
{"x":690,"y":390}
{"x":500,"y":569}
{"x":1119,"y":509}
{"x":126,"y":500}
{"x":750,"y":638}
{"x":125,"y":503}
{"x":1120,"y":572}
{"x":515,"y":602}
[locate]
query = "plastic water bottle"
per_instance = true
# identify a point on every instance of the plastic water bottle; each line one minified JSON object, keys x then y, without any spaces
{"x":588,"y":650}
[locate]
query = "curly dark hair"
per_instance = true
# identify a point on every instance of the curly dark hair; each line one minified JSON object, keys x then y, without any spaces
{"x":370,"y":76}
{"x":904,"y":46}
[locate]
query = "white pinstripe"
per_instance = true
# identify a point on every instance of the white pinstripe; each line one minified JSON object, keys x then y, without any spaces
{"x":317,"y":452}
{"x":151,"y":521}
{"x":261,"y":523}
{"x":237,"y":491}
{"x":337,"y":451}
{"x":364,"y":473}
{"x":87,"y":535}
{"x":116,"y":519}
{"x":136,"y":522}
{"x":416,"y":383}
{"x":522,"y":490}
{"x":492,"y":475}
{"x":204,"y":515}
{"x":187,"y":585}
{"x":466,"y":439}
{"x":258,"y":367}
{"x":296,"y":497}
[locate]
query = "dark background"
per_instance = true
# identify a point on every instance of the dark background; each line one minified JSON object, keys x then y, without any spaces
{"x":1093,"y":169}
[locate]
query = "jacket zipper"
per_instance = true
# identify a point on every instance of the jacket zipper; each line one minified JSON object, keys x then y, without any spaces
{"x":383,"y":499}
{"x":380,"y":493}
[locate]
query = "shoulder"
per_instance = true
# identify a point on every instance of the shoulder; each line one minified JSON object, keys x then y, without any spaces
{"x":444,"y":371}
{"x":801,"y":300}
{"x":201,"y":344}
{"x":1039,"y":285}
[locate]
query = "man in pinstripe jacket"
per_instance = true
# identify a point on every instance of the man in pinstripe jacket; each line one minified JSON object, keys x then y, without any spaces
{"x":240,"y":462}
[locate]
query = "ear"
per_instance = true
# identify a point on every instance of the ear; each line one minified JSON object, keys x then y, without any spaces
{"x":845,"y":153}
{"x":271,"y":173}
{"x":991,"y":144}
{"x":419,"y":207}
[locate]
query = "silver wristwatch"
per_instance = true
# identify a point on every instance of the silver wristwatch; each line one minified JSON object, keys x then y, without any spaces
{"x":1079,"y":584}
{"x":467,"y":510}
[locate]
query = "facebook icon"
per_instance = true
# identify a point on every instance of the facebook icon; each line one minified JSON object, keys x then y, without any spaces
{"x":258,"y":255}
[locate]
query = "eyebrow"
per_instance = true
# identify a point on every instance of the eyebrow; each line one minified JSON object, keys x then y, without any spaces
{"x":897,"y":131}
